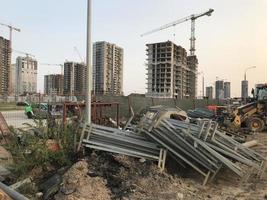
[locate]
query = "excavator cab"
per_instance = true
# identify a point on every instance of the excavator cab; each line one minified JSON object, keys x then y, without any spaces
{"x":254,"y":114}
{"x":260,"y":92}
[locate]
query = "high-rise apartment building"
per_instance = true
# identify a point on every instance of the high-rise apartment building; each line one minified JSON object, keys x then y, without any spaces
{"x":107,"y":68}
{"x":219,"y":89}
{"x":244,"y":89}
{"x":53,"y":84}
{"x":26,"y":75}
{"x":227,"y":89}
{"x":74,"y":78}
{"x":209,"y":92}
{"x":170,"y":72}
{"x":5,"y":63}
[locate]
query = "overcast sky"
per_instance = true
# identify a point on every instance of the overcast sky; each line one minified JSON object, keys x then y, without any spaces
{"x":233,"y":38}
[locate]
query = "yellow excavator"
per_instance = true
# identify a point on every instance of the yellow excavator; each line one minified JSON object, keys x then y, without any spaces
{"x":252,"y":115}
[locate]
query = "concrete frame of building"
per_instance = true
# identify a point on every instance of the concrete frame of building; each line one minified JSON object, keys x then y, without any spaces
{"x":26,"y":75}
{"x":170,"y":72}
{"x":53,"y":84}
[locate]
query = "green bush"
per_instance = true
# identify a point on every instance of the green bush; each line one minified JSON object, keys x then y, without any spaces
{"x":29,"y":148}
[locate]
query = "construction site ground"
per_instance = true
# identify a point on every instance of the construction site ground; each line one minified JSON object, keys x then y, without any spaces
{"x":103,"y":176}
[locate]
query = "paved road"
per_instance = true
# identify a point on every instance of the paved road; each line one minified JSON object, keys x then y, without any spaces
{"x":17,"y":118}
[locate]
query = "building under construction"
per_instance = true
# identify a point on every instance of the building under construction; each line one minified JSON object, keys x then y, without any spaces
{"x":5,"y":63}
{"x":170,"y":72}
{"x":26,"y":75}
{"x":53,"y":84}
{"x":74,"y":78}
{"x":107,"y":68}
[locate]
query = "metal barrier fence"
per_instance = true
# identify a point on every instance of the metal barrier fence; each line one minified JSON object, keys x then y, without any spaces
{"x":15,"y":115}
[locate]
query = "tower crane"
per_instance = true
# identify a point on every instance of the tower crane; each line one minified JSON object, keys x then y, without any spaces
{"x":25,"y":53}
{"x":61,"y":65}
{"x":80,"y":56}
{"x":193,"y":18}
{"x":11,"y":28}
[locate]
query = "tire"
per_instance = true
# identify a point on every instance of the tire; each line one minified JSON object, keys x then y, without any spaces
{"x":256,"y":124}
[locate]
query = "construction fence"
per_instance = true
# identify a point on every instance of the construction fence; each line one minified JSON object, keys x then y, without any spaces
{"x":140,"y":102}
{"x":106,"y":106}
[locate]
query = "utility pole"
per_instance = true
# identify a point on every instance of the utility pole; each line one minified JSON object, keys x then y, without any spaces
{"x":88,"y":91}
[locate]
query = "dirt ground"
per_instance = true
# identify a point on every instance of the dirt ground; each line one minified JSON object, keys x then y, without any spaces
{"x":77,"y":185}
{"x":108,"y":176}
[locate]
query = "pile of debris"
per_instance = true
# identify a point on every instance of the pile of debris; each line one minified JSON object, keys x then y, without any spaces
{"x":201,"y":146}
{"x":78,"y":185}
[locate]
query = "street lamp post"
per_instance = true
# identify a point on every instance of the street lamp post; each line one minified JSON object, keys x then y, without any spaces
{"x":245,"y":74}
{"x":244,"y":84}
{"x":88,"y":63}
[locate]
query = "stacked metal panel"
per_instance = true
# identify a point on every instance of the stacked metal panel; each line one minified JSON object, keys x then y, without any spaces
{"x":202,"y":146}
{"x":200,"y":113}
{"x":119,"y":141}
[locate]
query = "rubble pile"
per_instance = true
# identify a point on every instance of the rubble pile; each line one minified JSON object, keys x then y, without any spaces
{"x":77,"y":185}
{"x":131,"y":178}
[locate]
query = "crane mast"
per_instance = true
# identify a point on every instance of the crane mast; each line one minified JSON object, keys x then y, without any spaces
{"x":193,"y":19}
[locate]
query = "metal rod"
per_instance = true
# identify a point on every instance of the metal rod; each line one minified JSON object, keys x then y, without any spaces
{"x":12,"y":193}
